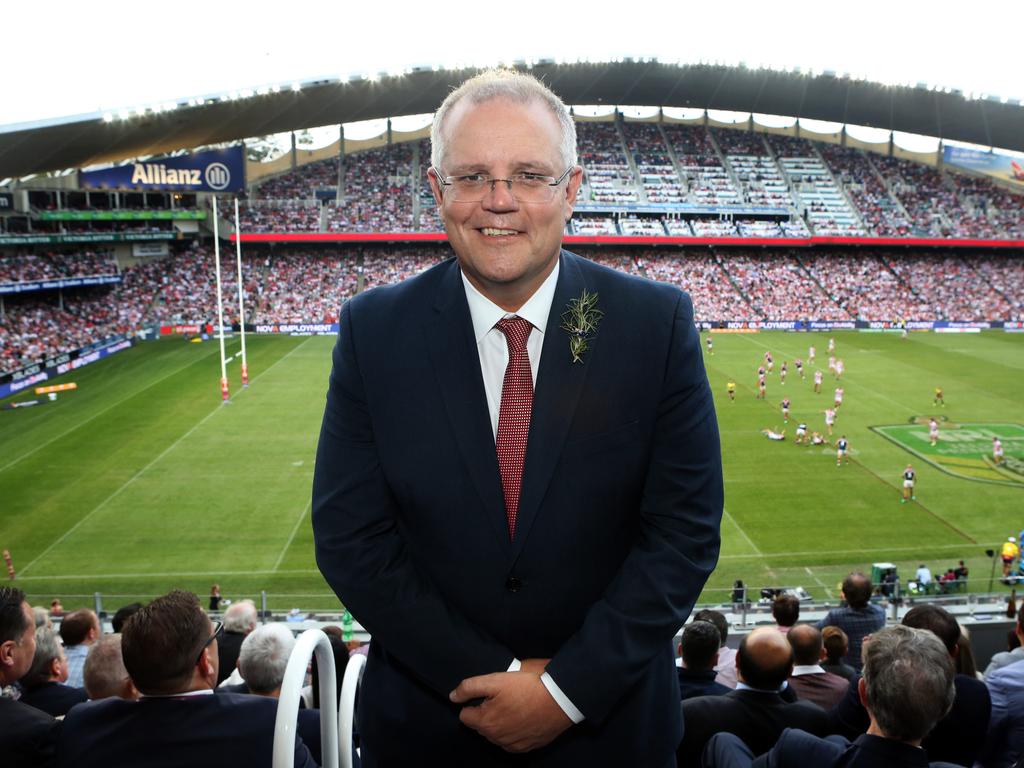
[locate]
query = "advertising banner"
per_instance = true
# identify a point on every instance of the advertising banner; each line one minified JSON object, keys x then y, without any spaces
{"x":300,"y":329}
{"x":24,"y":378}
{"x":6,"y":202}
{"x":1002,"y":167}
{"x":148,"y":215}
{"x":216,"y":170}
{"x":88,"y":237}
{"x":50,"y":285}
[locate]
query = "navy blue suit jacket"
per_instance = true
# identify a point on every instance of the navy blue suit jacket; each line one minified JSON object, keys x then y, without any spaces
{"x":208,"y":731}
{"x":618,"y":524}
{"x":798,"y":749}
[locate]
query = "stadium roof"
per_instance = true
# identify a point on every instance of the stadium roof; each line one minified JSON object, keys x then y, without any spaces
{"x":88,"y":140}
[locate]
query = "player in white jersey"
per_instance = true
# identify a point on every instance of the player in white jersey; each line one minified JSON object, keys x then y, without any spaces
{"x":832,"y":363}
{"x":801,"y":433}
{"x":817,"y":381}
{"x":830,"y":419}
{"x":841,"y":449}
{"x":831,"y":345}
{"x":839,"y":397}
{"x":933,"y":430}
{"x":773,"y":435}
{"x":840,"y":367}
{"x":711,"y":344}
{"x":818,"y":439}
{"x":909,"y":476}
{"x":810,"y":355}
{"x":997,"y":451}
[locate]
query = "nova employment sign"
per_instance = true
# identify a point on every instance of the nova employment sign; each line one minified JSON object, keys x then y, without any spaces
{"x":216,"y":170}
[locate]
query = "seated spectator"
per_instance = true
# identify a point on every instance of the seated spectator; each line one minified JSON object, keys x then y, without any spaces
{"x":785,"y":611}
{"x":1004,"y":742}
{"x":42,"y":617}
{"x":28,"y":735}
{"x":725,"y":669}
{"x":699,"y":651}
{"x":79,"y":630}
{"x":1006,"y":658}
{"x":959,"y":736}
{"x":809,"y":680}
{"x":122,"y":615}
{"x":858,"y":618}
{"x":170,"y":650}
{"x":43,"y":685}
{"x":105,"y":675}
{"x":755,"y":711}
{"x":836,"y":645}
{"x":906,"y":689}
{"x":239,"y":620}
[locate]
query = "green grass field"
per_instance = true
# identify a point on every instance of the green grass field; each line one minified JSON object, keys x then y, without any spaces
{"x":141,"y":480}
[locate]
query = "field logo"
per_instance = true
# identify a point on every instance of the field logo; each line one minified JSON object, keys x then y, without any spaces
{"x":965,"y":450}
{"x":217,"y":176}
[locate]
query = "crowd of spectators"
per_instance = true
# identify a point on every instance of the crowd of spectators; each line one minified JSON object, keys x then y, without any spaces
{"x":289,"y":284}
{"x":31,"y":267}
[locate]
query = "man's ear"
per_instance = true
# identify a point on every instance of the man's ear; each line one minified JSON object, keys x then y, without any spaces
{"x":572,"y":190}
{"x":862,"y":692}
{"x":435,"y":186}
{"x":207,"y":666}
{"x":7,"y":653}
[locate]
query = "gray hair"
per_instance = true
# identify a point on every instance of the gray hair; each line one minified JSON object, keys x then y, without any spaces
{"x":42,"y":617}
{"x":240,"y":617}
{"x":48,"y":648}
{"x":264,"y":657}
{"x":104,"y":671}
{"x":509,"y":84}
{"x":909,"y":678}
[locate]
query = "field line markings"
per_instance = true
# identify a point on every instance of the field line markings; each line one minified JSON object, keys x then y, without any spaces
{"x":175,"y":574}
{"x":295,"y":529}
{"x":743,"y":533}
{"x":145,"y":469}
{"x":97,"y":415}
{"x":819,"y":582}
{"x":831,"y":552}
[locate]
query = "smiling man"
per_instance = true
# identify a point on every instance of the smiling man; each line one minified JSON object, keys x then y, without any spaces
{"x":518,"y":484}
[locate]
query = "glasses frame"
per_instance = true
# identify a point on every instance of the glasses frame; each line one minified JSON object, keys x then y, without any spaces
{"x":447,"y":181}
{"x":218,"y":628}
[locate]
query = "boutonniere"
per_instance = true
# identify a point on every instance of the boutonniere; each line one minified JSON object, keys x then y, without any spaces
{"x":580,"y":320}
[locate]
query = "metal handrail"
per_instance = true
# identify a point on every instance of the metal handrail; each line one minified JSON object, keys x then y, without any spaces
{"x":309,"y":643}
{"x":347,"y":709}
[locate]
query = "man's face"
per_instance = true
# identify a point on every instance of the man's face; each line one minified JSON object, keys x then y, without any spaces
{"x":505,"y":248}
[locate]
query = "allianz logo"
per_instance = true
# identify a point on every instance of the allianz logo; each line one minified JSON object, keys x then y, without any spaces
{"x":217,"y":176}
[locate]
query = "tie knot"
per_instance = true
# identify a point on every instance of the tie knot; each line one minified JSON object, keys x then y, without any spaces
{"x":516,"y":330}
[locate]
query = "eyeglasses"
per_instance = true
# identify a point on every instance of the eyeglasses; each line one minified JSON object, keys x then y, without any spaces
{"x":524,"y":187}
{"x":217,"y":627}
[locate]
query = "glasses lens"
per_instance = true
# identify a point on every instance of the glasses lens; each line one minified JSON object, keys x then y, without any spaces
{"x":524,"y":190}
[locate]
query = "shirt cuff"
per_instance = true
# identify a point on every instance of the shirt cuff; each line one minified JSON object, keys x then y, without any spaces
{"x":515,"y":666}
{"x":561,"y":699}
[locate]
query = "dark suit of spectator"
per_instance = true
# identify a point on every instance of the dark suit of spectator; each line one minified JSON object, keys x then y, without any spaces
{"x":821,"y":688}
{"x":844,"y":671}
{"x":699,"y":683}
{"x":54,"y":699}
{"x":28,"y":735}
{"x":958,"y":737}
{"x":228,"y":646}
{"x":797,"y":749}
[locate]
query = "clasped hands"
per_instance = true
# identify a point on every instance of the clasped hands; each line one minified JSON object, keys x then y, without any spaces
{"x":517,"y":712}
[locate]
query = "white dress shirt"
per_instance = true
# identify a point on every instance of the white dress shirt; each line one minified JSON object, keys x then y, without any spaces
{"x":492,"y":346}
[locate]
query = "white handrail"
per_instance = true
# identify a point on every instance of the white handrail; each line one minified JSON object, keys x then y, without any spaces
{"x":347,"y":710}
{"x":310,"y":642}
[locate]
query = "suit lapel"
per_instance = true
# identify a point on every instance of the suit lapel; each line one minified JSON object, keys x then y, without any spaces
{"x":456,"y":362}
{"x":559,"y":385}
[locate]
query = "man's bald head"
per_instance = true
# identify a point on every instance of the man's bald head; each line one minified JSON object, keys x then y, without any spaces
{"x":806,"y":642}
{"x":857,"y":589}
{"x":765,"y":659}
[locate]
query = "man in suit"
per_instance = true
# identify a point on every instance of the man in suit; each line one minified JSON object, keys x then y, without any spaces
{"x":809,"y":680}
{"x":170,"y":651}
{"x":906,"y":689}
{"x":698,"y":649}
{"x":28,"y":735}
{"x":755,"y":712}
{"x":43,"y":685}
{"x":518,"y":481}
{"x":960,"y":734}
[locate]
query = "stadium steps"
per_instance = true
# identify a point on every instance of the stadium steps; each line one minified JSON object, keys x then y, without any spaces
{"x":684,"y":180}
{"x":630,"y":160}
{"x":986,"y":281}
{"x":733,"y":178}
{"x":888,"y":187}
{"x":757,"y":311}
{"x":822,"y":288}
{"x":840,"y":186}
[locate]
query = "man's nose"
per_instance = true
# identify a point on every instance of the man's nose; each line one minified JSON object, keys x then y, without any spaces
{"x":500,"y":197}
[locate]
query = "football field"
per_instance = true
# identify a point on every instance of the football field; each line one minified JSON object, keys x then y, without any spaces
{"x":140,"y":480}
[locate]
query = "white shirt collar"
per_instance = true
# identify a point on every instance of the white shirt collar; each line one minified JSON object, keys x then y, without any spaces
{"x":185,"y":695}
{"x":807,"y":669}
{"x":485,"y":313}
{"x":741,"y":686}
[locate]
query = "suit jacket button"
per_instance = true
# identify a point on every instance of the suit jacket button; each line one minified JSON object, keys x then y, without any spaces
{"x":512,"y":584}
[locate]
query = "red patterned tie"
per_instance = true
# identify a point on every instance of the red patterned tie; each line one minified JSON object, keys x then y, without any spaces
{"x":514,"y":414}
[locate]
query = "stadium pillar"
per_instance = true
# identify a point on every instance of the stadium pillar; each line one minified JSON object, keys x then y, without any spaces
{"x":389,"y":131}
{"x":295,"y":162}
{"x":892,"y":144}
{"x":940,"y":157}
{"x":340,"y":194}
{"x":842,"y":136}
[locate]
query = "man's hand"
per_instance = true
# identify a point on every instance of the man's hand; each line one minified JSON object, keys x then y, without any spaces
{"x":518,"y":714}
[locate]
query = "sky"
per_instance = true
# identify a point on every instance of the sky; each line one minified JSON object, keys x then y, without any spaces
{"x":75,"y":58}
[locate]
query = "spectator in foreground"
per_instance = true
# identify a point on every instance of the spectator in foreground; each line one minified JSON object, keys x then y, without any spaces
{"x":809,"y":680}
{"x":170,"y":650}
{"x":1005,"y":658}
{"x":959,"y":735}
{"x":28,"y":735}
{"x":239,"y":620}
{"x":836,"y":644}
{"x":79,"y":630}
{"x":105,"y":675}
{"x":858,"y":618}
{"x":755,"y":711}
{"x":699,"y":650}
{"x":906,"y":689}
{"x":43,"y":685}
{"x":725,"y":669}
{"x":1004,"y":743}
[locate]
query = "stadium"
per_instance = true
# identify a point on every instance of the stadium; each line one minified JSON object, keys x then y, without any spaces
{"x":813,"y":244}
